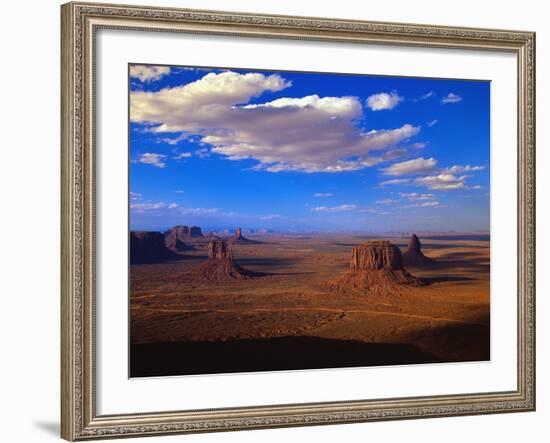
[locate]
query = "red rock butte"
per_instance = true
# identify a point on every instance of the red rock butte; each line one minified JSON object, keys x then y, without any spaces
{"x":220,"y":265}
{"x":239,"y":238}
{"x":376,"y":266}
{"x":219,"y":250}
{"x":376,"y":254}
{"x":148,"y":247}
{"x":414,"y":257}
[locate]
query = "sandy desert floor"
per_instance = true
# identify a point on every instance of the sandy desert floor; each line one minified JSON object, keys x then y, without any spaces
{"x":290,"y":319}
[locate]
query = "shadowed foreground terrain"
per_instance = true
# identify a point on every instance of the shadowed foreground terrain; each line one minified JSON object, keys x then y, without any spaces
{"x":288,"y":317}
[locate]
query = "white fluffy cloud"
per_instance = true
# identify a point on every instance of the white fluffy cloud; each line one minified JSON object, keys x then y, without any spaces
{"x":443,"y":182}
{"x":153,"y":159}
{"x":340,"y":208}
{"x":418,"y":165}
{"x":323,"y":194}
{"x":451,"y":97}
{"x":431,"y":177}
{"x":383,"y":100}
{"x":308,"y":134}
{"x":148,"y":73}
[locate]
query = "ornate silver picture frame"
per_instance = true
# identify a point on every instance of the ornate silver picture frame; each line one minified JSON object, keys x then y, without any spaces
{"x":80,"y":23}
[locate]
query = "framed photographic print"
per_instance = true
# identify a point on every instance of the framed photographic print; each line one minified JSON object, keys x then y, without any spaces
{"x":281,"y":221}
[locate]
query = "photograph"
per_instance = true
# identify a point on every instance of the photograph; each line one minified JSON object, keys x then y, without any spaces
{"x":286,"y":220}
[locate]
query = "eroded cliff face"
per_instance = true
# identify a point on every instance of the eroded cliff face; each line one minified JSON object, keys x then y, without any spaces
{"x":376,"y":255}
{"x":219,"y":250}
{"x":376,"y":267}
{"x":182,"y":238}
{"x":148,"y":247}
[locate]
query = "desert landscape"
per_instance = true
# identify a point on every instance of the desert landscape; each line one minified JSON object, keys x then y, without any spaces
{"x":217,"y":303}
{"x":289,"y":220}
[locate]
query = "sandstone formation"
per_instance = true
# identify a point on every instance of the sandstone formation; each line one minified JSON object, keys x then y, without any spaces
{"x":220,"y":264}
{"x":376,"y":266}
{"x":148,"y":247}
{"x":414,"y":256}
{"x":175,"y":239}
{"x":182,"y":238}
{"x":219,"y":250}
{"x":239,"y":238}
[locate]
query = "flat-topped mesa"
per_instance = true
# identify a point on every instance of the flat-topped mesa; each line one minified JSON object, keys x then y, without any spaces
{"x":376,"y":267}
{"x":220,"y":265}
{"x":414,"y":257}
{"x":182,"y":238}
{"x":148,"y":247}
{"x":219,"y":250}
{"x":376,"y":254}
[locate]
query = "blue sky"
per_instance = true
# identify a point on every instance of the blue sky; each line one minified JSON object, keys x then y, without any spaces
{"x":307,"y":151}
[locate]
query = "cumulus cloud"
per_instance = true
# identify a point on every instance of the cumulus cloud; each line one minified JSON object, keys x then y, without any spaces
{"x":451,"y":97}
{"x":307,"y":134}
{"x":201,"y":103}
{"x":148,"y":73}
{"x":340,"y":208}
{"x":174,"y":140}
{"x":323,"y":194}
{"x":443,"y":182}
{"x":432,"y":123}
{"x":134,"y":196}
{"x":153,"y":159}
{"x":431,"y":177}
{"x":179,"y":191}
{"x":383,"y":100}
{"x":418,"y":165}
